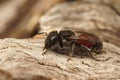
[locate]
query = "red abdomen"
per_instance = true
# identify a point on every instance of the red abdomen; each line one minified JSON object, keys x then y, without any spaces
{"x":88,"y":40}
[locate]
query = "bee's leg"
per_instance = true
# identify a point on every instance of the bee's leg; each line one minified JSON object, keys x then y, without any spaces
{"x":72,"y":50}
{"x":45,"y":52}
{"x":91,"y":55}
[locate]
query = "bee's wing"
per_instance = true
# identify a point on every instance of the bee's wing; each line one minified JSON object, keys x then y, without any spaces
{"x":74,"y":37}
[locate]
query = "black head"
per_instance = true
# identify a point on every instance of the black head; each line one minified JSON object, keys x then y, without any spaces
{"x":65,"y":34}
{"x":52,"y":39}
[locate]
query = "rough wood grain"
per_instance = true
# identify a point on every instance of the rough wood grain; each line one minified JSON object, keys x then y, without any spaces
{"x":22,"y":59}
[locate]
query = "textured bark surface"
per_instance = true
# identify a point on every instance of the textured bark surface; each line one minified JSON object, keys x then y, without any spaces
{"x":22,"y":59}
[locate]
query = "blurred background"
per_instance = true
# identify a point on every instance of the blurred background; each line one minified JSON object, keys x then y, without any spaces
{"x":20,"y":18}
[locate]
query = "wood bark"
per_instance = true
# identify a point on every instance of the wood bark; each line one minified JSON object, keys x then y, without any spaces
{"x":22,"y":59}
